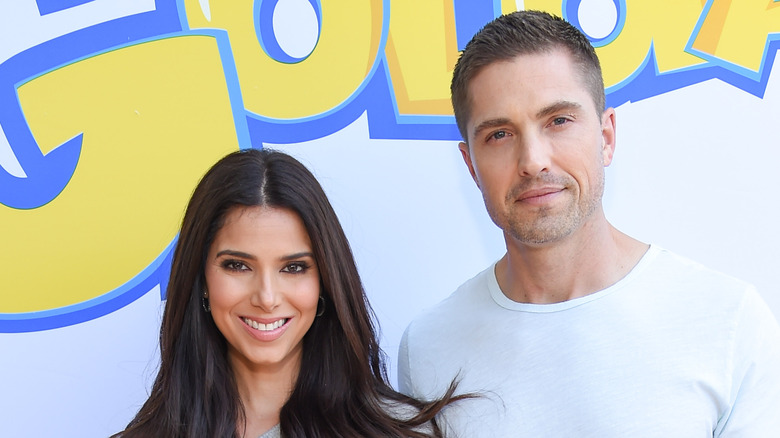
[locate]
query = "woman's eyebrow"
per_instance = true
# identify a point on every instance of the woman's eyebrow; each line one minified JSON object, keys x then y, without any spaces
{"x":298,"y":255}
{"x":235,"y":253}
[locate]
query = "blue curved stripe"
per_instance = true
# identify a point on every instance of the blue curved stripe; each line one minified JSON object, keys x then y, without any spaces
{"x":156,"y":273}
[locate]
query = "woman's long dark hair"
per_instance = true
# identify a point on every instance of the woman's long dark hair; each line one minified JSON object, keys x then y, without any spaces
{"x":342,"y":389}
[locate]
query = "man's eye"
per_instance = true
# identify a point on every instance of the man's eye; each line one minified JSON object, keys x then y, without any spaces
{"x":498,"y":135}
{"x":560,"y":120}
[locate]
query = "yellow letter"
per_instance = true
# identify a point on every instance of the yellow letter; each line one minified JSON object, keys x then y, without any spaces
{"x":155,"y":116}
{"x":664,"y":24}
{"x":421,"y":54}
{"x":345,"y":53}
{"x":736,"y":32}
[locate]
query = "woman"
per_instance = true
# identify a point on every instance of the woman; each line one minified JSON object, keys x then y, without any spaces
{"x":266,"y":330}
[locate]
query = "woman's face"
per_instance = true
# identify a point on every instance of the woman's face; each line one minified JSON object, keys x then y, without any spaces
{"x":263,"y":287}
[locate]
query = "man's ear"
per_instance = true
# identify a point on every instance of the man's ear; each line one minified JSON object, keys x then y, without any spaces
{"x":608,"y":135}
{"x":466,"y":154}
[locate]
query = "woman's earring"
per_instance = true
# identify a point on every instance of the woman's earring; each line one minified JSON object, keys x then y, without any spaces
{"x":321,"y":306}
{"x":204,"y":301}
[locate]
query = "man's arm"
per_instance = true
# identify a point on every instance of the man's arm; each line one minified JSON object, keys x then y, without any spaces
{"x":755,"y":394}
{"x":404,"y":371}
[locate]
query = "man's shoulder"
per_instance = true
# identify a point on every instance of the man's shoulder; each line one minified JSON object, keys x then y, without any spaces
{"x":678,"y":269}
{"x":671,"y":279}
{"x":436,"y":342}
{"x":472,"y":294}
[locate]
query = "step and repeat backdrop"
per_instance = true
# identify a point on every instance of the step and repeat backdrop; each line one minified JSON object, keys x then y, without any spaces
{"x":111,"y":110}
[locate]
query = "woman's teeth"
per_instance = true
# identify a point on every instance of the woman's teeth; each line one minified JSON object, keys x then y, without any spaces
{"x":264,"y":327}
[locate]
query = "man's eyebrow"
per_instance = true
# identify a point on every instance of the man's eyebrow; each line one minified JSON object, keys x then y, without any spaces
{"x":557,"y":107}
{"x":492,"y":123}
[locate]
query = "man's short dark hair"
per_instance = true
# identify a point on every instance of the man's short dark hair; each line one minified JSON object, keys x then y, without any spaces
{"x":522,"y":33}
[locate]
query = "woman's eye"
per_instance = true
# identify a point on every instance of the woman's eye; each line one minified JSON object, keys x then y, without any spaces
{"x":295,"y":268}
{"x":234,"y":265}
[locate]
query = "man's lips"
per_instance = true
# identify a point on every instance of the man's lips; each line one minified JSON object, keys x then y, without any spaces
{"x":539,"y":194}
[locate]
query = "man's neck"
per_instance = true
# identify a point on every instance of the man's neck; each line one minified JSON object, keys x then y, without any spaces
{"x":591,"y":259}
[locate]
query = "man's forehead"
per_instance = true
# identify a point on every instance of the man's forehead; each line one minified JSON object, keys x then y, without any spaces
{"x":549,"y":63}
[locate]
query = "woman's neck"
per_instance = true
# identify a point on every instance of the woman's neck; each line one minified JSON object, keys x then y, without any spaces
{"x":263,"y":391}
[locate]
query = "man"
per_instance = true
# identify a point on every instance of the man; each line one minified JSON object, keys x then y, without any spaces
{"x":578,"y":330}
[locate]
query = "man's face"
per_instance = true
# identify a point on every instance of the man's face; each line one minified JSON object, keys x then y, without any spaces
{"x":537,"y":147}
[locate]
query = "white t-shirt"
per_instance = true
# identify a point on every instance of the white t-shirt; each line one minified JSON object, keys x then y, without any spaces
{"x":671,"y":350}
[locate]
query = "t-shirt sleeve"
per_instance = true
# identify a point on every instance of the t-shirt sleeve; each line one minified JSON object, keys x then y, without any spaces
{"x":755,"y":390}
{"x":404,"y":367}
